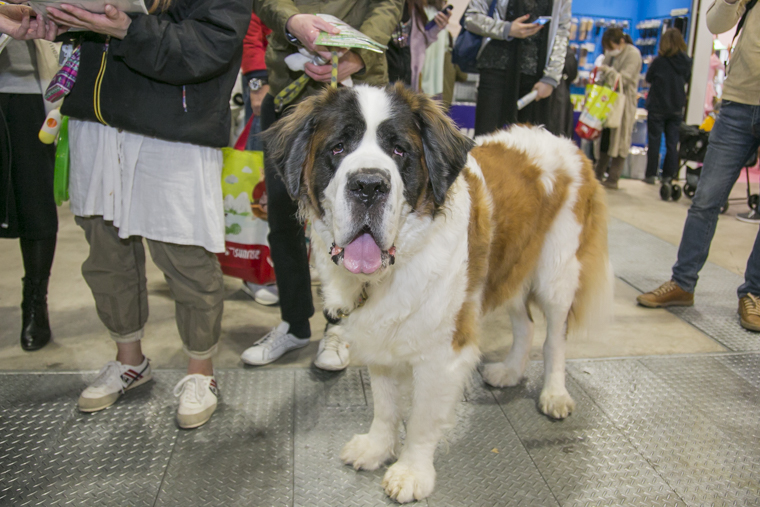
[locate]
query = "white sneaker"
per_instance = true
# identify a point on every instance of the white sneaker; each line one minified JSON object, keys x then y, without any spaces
{"x":274,"y":344}
{"x":198,"y":396}
{"x":333,"y":351}
{"x":113,"y":380}
{"x":266,"y":295}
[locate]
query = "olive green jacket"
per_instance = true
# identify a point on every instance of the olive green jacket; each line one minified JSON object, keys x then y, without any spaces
{"x":375,"y":18}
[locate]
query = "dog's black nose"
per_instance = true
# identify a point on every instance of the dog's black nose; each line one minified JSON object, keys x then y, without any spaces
{"x":369,"y":185}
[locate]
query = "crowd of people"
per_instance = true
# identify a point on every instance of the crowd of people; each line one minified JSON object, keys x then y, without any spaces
{"x":150,"y":109}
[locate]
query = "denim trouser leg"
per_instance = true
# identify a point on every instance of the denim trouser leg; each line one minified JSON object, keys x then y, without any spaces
{"x":655,"y":126}
{"x":734,"y":137}
{"x":751,"y":283}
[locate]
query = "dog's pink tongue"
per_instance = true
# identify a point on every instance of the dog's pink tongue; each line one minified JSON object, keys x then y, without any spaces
{"x":362,"y":255}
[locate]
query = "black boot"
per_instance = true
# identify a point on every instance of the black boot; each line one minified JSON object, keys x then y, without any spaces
{"x":35,"y":330}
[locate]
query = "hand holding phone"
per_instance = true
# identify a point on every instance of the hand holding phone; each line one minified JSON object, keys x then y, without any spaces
{"x":542,"y":20}
{"x":446,"y":10}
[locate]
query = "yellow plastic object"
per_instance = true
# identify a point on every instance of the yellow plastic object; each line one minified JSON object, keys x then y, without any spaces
{"x":708,"y":123}
{"x":50,"y":128}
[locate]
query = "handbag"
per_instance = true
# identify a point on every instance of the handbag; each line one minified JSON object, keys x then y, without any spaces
{"x":467,"y":45}
{"x":596,"y":109}
{"x":247,"y":253}
{"x":615,"y":116}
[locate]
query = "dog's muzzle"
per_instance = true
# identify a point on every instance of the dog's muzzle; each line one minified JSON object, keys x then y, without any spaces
{"x":369,"y":187}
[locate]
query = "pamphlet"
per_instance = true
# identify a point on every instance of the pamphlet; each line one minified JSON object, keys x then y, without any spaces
{"x":96,"y":6}
{"x":349,"y":37}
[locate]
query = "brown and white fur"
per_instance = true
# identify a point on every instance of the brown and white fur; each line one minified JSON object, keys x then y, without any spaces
{"x":519,"y":219}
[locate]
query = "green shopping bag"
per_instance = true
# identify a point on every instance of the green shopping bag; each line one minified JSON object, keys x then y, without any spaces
{"x":247,"y":253}
{"x":596,"y":109}
{"x":61,"y":177}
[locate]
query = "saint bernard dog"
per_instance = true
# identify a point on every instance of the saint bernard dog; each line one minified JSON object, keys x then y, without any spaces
{"x":416,"y":233}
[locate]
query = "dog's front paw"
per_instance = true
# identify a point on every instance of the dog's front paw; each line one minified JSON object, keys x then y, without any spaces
{"x":365,"y":453}
{"x":501,"y":375}
{"x":405,"y":483}
{"x":555,"y":403}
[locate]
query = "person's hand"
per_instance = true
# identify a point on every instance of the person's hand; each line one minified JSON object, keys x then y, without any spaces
{"x":349,"y":64}
{"x":306,"y":27}
{"x":522,"y":30}
{"x":256,"y":98}
{"x":543,"y":89}
{"x":442,"y":18}
{"x":22,"y":23}
{"x":114,"y":22}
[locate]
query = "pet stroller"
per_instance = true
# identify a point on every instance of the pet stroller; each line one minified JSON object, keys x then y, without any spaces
{"x":692,"y":148}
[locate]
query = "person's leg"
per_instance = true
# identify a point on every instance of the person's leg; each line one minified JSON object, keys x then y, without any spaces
{"x":488,"y":109}
{"x":29,"y":199}
{"x":38,"y":259}
{"x":197,"y":287}
{"x":287,"y":243}
{"x":604,"y":159}
{"x":254,"y":142}
{"x":751,"y":283}
{"x":655,"y":125}
{"x":670,"y":164}
{"x":616,"y":169}
{"x":115,"y":273}
{"x":731,"y":142}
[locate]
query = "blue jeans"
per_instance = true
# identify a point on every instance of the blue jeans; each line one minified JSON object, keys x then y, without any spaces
{"x":254,"y":142}
{"x":735,"y":136}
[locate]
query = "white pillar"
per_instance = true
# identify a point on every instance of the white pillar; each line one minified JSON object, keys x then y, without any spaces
{"x":701,"y":49}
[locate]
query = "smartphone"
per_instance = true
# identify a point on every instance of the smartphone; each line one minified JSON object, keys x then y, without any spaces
{"x":431,"y":23}
{"x":542,"y":20}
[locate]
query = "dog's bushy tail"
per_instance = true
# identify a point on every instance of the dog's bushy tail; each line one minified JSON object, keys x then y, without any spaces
{"x":592,"y":308}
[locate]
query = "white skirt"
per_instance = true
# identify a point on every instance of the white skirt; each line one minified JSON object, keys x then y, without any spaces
{"x":162,"y":190}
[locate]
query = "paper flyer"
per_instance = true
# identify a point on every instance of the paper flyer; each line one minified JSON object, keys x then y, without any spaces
{"x":349,"y":37}
{"x":96,"y":6}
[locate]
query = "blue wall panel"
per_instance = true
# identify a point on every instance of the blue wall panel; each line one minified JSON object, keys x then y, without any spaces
{"x":627,"y":9}
{"x":660,"y":8}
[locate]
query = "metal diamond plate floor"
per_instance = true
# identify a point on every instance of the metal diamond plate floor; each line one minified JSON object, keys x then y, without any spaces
{"x":654,"y":431}
{"x":644,"y":261}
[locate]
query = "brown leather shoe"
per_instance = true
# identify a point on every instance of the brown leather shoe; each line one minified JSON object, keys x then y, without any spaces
{"x":749,"y":312}
{"x":668,"y":294}
{"x":611,"y":185}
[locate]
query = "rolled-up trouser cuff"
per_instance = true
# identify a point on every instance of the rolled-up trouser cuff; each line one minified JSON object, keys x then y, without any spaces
{"x":129,"y":337}
{"x":201,"y":355}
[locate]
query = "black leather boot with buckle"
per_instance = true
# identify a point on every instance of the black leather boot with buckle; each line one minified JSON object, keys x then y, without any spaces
{"x":35,"y":330}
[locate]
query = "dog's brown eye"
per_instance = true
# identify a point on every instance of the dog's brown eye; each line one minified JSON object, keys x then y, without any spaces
{"x":397,"y":150}
{"x":337,"y":149}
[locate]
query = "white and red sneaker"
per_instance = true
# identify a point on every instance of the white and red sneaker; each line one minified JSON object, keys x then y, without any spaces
{"x":113,"y":380}
{"x":198,"y":396}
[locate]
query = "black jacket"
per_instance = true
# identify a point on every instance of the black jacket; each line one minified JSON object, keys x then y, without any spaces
{"x":171,"y":76}
{"x":668,"y":77}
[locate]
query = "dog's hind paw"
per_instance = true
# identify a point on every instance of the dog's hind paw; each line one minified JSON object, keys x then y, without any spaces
{"x":557,"y":405}
{"x":365,"y":453}
{"x":405,"y":483}
{"x":500,"y":375}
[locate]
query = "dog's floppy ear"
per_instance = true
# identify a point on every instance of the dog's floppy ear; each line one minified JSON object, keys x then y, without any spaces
{"x":287,"y":145}
{"x":445,"y":147}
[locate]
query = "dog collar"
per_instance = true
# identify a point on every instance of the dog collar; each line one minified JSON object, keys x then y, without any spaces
{"x":358,"y":304}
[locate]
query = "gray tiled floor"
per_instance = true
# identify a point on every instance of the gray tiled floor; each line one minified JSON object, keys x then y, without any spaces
{"x":653,"y":431}
{"x":659,"y":430}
